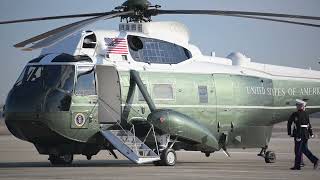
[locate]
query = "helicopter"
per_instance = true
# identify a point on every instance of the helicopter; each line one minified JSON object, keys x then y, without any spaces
{"x":147,"y":92}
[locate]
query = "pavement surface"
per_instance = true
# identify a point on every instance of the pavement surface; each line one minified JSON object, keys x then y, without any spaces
{"x":3,"y":128}
{"x":20,"y":160}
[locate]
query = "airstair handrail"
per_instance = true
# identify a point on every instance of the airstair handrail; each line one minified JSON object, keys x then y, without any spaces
{"x":155,"y":139}
{"x":132,"y":129}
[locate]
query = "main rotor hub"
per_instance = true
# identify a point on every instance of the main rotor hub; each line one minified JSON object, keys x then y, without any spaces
{"x":143,"y":10}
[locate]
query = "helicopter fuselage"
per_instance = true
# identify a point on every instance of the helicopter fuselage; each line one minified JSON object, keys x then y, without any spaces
{"x":54,"y":103}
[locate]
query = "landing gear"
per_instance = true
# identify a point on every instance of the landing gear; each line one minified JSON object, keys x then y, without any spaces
{"x":207,"y":153}
{"x":269,"y":156}
{"x":61,"y":160}
{"x":168,"y":157}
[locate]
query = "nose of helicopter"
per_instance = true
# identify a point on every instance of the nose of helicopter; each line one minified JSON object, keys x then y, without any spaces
{"x":28,"y":112}
{"x":25,"y":99}
{"x":35,"y":126}
{"x":22,"y":109}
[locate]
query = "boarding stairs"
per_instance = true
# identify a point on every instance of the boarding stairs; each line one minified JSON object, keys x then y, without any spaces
{"x":124,"y":140}
{"x":131,"y":146}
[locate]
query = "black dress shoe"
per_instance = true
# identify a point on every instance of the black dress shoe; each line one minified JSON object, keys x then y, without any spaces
{"x":315,"y":165}
{"x":295,"y":168}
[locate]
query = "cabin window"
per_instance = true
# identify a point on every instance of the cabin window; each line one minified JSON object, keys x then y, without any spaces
{"x":156,"y":51}
{"x":85,"y":82}
{"x":203,"y":94}
{"x":90,"y":41}
{"x":163,"y":91}
{"x":124,"y":57}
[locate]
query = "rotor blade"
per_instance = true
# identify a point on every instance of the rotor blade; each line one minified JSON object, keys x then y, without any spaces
{"x":53,"y":36}
{"x":55,"y":17}
{"x":276,"y":20}
{"x":46,"y":34}
{"x":43,"y":35}
{"x":219,"y":12}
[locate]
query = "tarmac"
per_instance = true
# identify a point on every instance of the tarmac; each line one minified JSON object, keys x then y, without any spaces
{"x":20,"y":160}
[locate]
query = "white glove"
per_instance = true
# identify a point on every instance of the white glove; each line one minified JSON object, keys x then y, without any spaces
{"x":312,"y":136}
{"x":298,"y":139}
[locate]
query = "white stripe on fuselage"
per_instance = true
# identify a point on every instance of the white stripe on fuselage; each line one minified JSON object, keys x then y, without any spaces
{"x":223,"y":106}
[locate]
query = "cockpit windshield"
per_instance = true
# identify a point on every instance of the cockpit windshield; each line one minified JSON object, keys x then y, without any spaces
{"x":48,"y":76}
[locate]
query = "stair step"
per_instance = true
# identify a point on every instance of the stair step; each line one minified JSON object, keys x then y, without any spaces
{"x":149,"y":156}
{"x":142,"y":150}
{"x":139,"y":149}
{"x":121,"y":133}
{"x":129,"y":139}
{"x":134,"y":148}
{"x":134,"y":143}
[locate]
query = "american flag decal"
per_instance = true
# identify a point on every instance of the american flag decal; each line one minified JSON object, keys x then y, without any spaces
{"x":116,"y":45}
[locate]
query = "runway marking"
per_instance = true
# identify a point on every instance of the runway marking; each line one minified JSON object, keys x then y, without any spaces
{"x":241,"y":171}
{"x":247,"y":177}
{"x":188,"y":174}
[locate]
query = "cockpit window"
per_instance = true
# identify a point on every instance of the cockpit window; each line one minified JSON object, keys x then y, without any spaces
{"x":20,"y":79}
{"x":48,"y":77}
{"x":49,"y":85}
{"x":156,"y":51}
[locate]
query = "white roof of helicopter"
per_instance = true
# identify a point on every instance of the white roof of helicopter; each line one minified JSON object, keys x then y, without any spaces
{"x":177,"y":33}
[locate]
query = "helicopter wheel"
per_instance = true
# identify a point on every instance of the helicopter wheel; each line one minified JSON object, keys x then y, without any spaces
{"x":168,"y":157}
{"x":61,"y":160}
{"x":207,"y":154}
{"x":270,"y":157}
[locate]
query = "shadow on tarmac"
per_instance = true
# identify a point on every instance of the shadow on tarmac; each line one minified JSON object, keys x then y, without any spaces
{"x":77,"y":163}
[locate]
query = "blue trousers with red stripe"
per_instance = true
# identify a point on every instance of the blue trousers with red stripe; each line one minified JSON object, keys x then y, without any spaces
{"x":302,"y":147}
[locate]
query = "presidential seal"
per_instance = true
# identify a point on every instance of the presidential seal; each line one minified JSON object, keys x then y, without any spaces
{"x":79,"y":119}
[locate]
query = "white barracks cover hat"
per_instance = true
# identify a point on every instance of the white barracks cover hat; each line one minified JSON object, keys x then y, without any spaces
{"x":300,"y":102}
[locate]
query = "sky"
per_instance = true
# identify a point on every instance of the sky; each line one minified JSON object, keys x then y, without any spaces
{"x":264,"y":42}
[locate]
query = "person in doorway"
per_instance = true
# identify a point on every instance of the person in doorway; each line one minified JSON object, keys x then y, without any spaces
{"x":302,"y":131}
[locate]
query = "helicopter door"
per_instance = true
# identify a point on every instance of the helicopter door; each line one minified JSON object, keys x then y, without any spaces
{"x":109,"y":94}
{"x":84,"y":100}
{"x":225,"y":102}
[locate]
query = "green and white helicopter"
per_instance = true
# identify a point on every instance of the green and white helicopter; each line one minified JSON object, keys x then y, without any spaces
{"x":145,"y":91}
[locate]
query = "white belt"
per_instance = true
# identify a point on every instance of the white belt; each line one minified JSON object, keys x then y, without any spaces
{"x":304,"y":126}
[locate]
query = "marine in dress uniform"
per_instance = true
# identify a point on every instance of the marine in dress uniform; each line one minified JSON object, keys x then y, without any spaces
{"x":302,"y":131}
